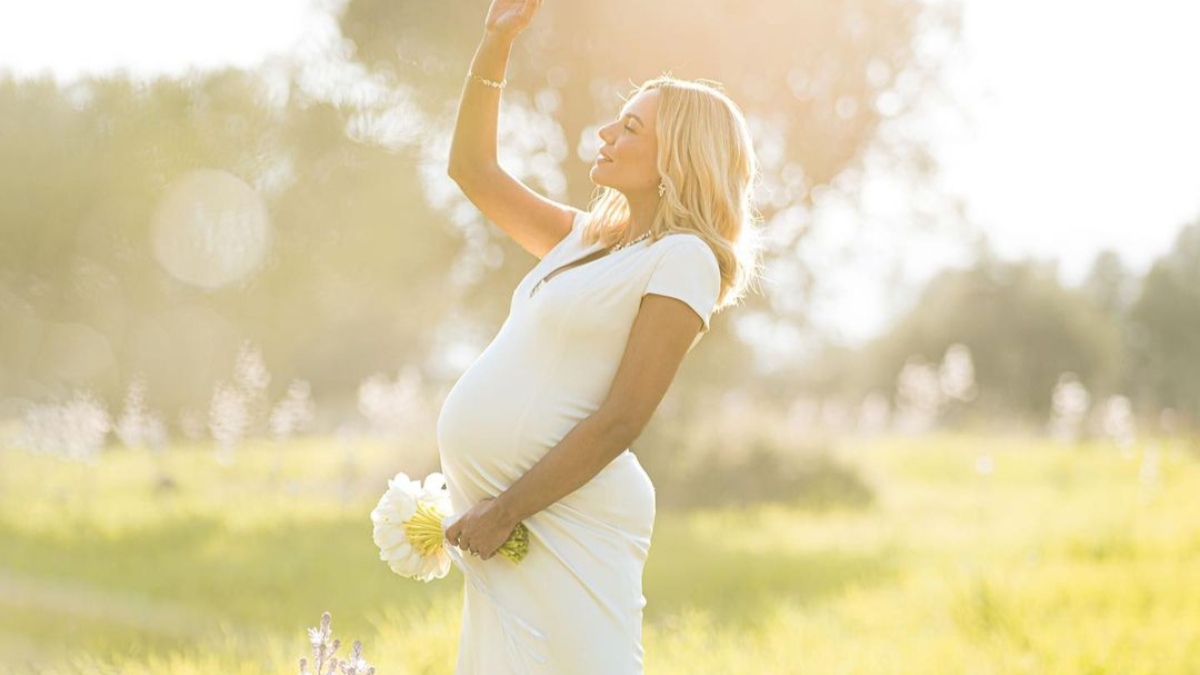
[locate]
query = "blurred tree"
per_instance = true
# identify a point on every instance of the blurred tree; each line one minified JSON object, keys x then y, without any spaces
{"x":819,"y":81}
{"x":369,"y":260}
{"x":813,"y":71}
{"x":1112,"y":288}
{"x":1165,"y":330}
{"x":354,"y":281}
{"x":1109,"y":283}
{"x":1023,"y":329}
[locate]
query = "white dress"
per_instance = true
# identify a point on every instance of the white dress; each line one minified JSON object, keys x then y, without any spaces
{"x":573,"y":605}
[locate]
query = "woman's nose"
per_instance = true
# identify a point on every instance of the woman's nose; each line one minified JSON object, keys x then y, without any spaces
{"x":604,"y":132}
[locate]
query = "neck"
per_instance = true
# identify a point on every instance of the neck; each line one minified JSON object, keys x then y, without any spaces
{"x":641,"y":214}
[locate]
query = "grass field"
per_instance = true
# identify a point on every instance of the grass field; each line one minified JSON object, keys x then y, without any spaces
{"x":978,"y":555}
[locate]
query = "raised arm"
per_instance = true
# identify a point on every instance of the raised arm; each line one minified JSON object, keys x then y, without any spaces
{"x":533,"y":221}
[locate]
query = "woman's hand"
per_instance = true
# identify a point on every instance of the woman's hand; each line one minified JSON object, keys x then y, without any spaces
{"x":506,"y":18}
{"x":481,"y":530}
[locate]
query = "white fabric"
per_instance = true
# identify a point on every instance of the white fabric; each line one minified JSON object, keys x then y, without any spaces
{"x":573,"y":606}
{"x":688,"y":271}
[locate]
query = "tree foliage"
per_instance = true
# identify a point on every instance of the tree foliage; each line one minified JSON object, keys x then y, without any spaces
{"x":371,"y":264}
{"x":1165,"y":329}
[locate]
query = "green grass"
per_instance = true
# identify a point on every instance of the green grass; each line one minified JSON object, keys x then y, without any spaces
{"x":1060,"y":560}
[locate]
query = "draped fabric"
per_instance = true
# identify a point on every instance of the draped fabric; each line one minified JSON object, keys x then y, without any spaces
{"x":573,"y":605}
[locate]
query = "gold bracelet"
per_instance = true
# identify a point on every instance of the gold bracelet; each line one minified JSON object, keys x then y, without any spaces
{"x":490,"y":83}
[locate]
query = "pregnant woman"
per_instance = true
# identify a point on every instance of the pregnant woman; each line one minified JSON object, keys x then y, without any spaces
{"x":538,"y":428}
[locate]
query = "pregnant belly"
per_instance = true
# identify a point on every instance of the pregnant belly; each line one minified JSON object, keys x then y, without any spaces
{"x":493,"y":427}
{"x":506,"y":412}
{"x":479,"y":417}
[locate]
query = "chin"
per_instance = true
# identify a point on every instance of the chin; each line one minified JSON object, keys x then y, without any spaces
{"x":600,"y":182}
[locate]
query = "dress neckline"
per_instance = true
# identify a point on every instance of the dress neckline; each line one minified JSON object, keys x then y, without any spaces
{"x":579,"y":262}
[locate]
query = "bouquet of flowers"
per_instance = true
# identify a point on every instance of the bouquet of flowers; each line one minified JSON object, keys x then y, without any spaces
{"x":410,"y":528}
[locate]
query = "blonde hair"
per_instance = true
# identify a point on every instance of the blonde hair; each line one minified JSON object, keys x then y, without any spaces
{"x":706,"y":160}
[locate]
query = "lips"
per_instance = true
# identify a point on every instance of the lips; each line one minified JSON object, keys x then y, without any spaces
{"x":603,"y":157}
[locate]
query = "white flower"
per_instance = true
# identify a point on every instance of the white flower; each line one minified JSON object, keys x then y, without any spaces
{"x":408,"y":527}
{"x":316,"y":637}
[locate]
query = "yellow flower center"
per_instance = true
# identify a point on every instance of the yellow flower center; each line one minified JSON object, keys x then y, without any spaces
{"x":424,"y":529}
{"x":425,"y":533}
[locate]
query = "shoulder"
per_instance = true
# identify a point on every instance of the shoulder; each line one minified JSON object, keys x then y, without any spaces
{"x":573,"y":238}
{"x":688,"y":246}
{"x":686,"y":268}
{"x":674,"y":239}
{"x":579,"y":226}
{"x":686,"y":259}
{"x":579,"y":220}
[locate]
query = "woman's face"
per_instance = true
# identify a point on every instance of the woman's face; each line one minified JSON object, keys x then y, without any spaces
{"x":628,"y":160}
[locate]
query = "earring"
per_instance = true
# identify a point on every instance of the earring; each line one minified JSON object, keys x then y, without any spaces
{"x":662,"y":188}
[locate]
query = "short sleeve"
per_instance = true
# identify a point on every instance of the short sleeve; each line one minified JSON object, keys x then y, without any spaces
{"x":688,"y":271}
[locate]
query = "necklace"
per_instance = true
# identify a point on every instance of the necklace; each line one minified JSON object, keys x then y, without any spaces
{"x":618,"y":247}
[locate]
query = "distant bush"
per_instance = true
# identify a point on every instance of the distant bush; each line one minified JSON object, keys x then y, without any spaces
{"x":711,"y":469}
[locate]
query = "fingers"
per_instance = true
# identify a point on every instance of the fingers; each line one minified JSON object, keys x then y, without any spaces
{"x":456,"y":534}
{"x":454,"y":527}
{"x":454,"y":538}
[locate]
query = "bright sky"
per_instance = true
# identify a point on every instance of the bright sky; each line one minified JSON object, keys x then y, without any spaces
{"x":1090,"y":136}
{"x":69,"y":37}
{"x":1086,"y":130}
{"x":1084,"y":135}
